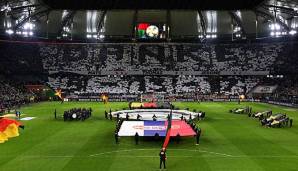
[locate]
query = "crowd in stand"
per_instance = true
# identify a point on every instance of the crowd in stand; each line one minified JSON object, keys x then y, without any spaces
{"x":93,"y":69}
{"x":78,"y":85}
{"x":12,"y":95}
{"x":225,"y":58}
{"x":150,"y":58}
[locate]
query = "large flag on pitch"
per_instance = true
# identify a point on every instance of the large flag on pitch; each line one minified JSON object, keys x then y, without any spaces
{"x":151,"y":128}
{"x":169,"y":129}
{"x":8,"y":129}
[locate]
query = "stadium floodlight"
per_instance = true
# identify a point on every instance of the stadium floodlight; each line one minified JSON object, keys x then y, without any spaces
{"x":25,"y":33}
{"x":293,"y":32}
{"x":277,"y":26}
{"x":238,"y":35}
{"x":274,"y":26}
{"x":101,"y":36}
{"x":237,"y":29}
{"x":9,"y":31}
{"x":66,"y":29}
{"x":28,"y":26}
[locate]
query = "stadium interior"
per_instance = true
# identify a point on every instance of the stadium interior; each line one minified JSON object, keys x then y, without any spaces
{"x":162,"y":71}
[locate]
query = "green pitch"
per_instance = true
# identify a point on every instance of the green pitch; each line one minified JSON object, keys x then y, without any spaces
{"x":229,"y":142}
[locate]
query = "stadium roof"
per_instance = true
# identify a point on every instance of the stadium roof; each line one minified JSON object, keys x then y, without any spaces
{"x":78,"y":19}
{"x":153,"y":4}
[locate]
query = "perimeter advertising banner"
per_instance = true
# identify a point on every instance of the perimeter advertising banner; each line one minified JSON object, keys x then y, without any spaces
{"x":150,"y":128}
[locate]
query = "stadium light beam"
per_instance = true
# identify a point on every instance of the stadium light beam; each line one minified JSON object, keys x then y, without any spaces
{"x":9,"y":31}
{"x":293,"y":32}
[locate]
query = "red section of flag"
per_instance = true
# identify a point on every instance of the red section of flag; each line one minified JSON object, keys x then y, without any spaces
{"x":181,"y":128}
{"x":143,"y":26}
{"x":178,"y":127}
{"x":149,"y":105}
{"x":167,"y":140}
{"x":4,"y":123}
{"x":169,"y":128}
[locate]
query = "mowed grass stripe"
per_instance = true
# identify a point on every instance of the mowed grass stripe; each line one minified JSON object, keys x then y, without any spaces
{"x":100,"y":141}
{"x":38,"y":148}
{"x":239,"y":125}
{"x":246,"y":137}
{"x":35,"y":133}
{"x":218,"y":140}
{"x":215,"y":140}
{"x":63,"y":143}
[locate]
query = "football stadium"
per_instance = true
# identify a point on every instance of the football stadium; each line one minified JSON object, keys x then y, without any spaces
{"x":133,"y":85}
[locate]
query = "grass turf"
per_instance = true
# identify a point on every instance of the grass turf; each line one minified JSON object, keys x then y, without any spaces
{"x":228,"y":142}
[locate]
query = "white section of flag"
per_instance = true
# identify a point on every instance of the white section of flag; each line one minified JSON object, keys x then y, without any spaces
{"x":27,"y":118}
{"x":130,"y":128}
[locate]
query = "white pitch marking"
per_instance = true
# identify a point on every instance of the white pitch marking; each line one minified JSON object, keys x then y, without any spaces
{"x":202,"y":151}
{"x":174,"y":156}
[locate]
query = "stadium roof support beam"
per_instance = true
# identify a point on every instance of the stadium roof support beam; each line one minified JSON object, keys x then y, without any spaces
{"x":168,"y":36}
{"x":101,"y":20}
{"x":22,"y":7}
{"x":134,"y":24}
{"x":69,"y":16}
{"x":286,"y":10}
{"x":203,"y":22}
{"x":238,"y":21}
{"x":271,"y":16}
{"x":34,"y":15}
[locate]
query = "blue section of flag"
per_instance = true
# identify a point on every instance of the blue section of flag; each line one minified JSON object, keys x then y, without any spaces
{"x":153,"y":127}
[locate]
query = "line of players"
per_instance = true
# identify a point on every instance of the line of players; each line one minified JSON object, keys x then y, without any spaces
{"x":154,"y":117}
{"x":77,"y":114}
{"x":266,"y":118}
{"x":273,"y":120}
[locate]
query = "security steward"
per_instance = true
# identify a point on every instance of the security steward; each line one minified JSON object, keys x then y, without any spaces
{"x":163,"y":158}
